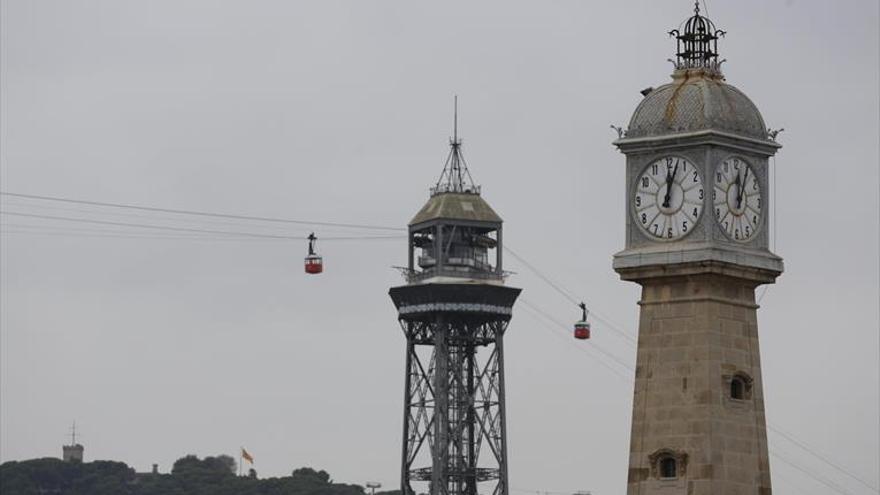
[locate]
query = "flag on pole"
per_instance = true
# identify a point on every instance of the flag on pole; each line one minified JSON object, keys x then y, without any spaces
{"x":247,"y":456}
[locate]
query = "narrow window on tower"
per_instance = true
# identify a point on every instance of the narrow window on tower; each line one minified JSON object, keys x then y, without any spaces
{"x":740,"y":387}
{"x":668,"y":467}
{"x":737,"y":388}
{"x":667,"y":464}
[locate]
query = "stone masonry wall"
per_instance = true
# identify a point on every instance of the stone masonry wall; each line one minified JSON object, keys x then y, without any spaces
{"x":696,"y":334}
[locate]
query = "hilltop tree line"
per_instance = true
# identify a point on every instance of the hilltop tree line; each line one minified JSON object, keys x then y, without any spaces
{"x":189,"y":476}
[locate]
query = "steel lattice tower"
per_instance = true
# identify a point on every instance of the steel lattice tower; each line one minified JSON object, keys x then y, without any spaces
{"x":454,"y":311}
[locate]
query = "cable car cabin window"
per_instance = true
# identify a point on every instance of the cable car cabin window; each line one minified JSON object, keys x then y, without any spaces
{"x":668,"y":467}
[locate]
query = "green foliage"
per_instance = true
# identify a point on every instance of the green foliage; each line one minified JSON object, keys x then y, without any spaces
{"x":222,"y":465}
{"x":309,"y":475}
{"x":189,"y":476}
{"x":68,"y":478}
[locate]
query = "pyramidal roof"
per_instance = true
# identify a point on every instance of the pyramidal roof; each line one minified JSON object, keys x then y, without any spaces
{"x":456,"y":206}
{"x":455,"y":196}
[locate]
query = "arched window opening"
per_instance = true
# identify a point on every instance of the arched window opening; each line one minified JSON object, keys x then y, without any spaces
{"x":668,"y":464}
{"x":737,"y":388}
{"x":740,"y":386}
{"x":668,"y":467}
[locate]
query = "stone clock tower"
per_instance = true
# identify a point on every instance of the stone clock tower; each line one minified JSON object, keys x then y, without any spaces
{"x":697,"y":152}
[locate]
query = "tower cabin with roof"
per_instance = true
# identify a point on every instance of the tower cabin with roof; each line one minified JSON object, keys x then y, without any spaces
{"x":456,"y":231}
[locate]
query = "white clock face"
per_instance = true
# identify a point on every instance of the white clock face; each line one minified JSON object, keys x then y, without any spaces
{"x":737,"y":199}
{"x":668,"y":198}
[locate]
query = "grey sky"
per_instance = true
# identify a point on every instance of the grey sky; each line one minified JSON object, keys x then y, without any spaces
{"x":340,"y":111}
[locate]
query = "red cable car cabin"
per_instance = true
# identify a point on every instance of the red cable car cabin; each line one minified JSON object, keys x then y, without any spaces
{"x":582,"y":328}
{"x":314,"y":264}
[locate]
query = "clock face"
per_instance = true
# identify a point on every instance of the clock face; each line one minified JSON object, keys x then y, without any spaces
{"x":737,"y":199}
{"x":668,"y":198}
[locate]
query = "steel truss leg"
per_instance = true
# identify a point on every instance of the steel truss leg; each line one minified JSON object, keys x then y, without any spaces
{"x":453,"y":407}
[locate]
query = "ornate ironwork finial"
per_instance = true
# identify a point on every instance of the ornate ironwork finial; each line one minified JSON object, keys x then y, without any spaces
{"x":455,"y":176}
{"x":697,"y":43}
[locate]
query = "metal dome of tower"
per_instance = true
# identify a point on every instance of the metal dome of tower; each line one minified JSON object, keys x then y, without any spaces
{"x":698,"y":98}
{"x":454,"y":311}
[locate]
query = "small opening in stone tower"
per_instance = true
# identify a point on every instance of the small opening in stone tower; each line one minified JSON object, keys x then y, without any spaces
{"x":737,"y":388}
{"x":668,"y":467}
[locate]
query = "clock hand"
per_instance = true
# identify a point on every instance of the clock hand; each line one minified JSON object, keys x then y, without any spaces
{"x":740,"y":186}
{"x":666,"y":196}
{"x":669,"y":180}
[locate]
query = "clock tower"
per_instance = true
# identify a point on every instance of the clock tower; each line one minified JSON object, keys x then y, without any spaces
{"x":697,"y":157}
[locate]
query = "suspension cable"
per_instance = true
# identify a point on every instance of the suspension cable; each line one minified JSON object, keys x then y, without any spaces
{"x":199,"y":213}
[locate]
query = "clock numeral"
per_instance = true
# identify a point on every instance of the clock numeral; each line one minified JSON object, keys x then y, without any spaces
{"x":684,"y":226}
{"x":755,"y":219}
{"x":696,"y":212}
{"x":669,"y":233}
{"x":759,"y":203}
{"x":718,"y":177}
{"x":748,"y":231}
{"x":718,"y":213}
{"x":696,"y":178}
{"x":754,"y":185}
{"x":654,"y":169}
{"x":736,"y":233}
{"x":726,"y":167}
{"x":655,"y":228}
{"x":701,"y":193}
{"x":638,"y":201}
{"x":645,"y":181}
{"x":644,"y":218}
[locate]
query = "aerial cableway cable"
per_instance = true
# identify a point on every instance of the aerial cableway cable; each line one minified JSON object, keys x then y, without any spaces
{"x":539,"y":315}
{"x":562,"y":325}
{"x":154,"y":231}
{"x":191,"y":230}
{"x":200,"y":213}
{"x":819,"y":456}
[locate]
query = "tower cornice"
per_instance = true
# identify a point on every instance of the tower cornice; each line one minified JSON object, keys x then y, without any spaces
{"x":750,"y":273}
{"x":696,"y":138}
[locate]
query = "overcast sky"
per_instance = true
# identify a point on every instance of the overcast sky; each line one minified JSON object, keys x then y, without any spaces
{"x":159,"y":345}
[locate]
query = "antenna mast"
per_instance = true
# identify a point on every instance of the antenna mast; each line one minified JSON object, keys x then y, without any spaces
{"x":455,"y":177}
{"x":455,"y":122}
